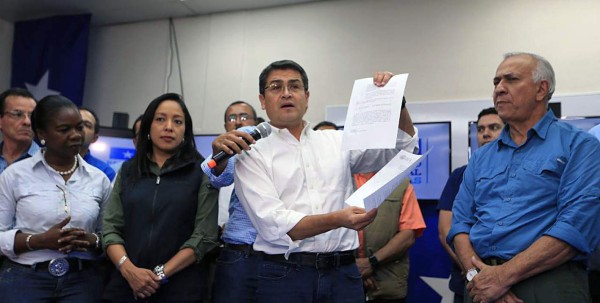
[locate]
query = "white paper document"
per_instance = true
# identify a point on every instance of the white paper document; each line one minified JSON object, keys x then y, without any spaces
{"x":373,"y":114}
{"x":371,"y":194}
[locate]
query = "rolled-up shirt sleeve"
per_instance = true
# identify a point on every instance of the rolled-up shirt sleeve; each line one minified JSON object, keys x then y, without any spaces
{"x":222,"y":180}
{"x":463,"y":210}
{"x":8,"y":207}
{"x":578,"y":221}
{"x":371,"y":160}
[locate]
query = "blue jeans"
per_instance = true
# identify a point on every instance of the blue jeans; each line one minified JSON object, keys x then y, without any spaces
{"x":22,"y":284}
{"x":293,"y":283}
{"x":236,"y":277}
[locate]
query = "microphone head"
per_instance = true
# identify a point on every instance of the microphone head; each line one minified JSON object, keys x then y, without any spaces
{"x":264,"y":129}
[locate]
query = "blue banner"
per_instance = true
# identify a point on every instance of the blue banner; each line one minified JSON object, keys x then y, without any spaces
{"x":49,"y":56}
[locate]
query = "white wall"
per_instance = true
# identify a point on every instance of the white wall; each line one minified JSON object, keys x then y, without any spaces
{"x":6,"y":38}
{"x":450,"y":49}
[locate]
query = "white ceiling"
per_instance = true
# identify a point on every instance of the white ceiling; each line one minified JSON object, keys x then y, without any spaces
{"x":108,"y":12}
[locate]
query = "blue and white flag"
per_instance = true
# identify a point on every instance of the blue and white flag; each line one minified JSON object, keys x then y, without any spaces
{"x":49,"y":56}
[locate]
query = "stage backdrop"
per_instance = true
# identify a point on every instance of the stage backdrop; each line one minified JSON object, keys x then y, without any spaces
{"x":49,"y":56}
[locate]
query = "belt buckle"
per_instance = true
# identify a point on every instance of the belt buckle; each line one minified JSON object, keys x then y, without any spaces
{"x":58,"y":267}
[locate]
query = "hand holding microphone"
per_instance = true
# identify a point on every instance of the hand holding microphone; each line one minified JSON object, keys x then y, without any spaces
{"x":235,"y":141}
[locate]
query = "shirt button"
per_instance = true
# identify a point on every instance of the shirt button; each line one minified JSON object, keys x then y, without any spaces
{"x":500,"y":223}
{"x":506,"y":199}
{"x":494,"y":247}
{"x":512,"y":175}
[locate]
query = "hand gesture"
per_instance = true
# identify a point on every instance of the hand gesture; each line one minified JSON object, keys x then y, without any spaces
{"x":370,"y":284}
{"x":232,"y":142}
{"x":488,"y":285}
{"x":380,"y":79}
{"x":59,"y":238}
{"x":364,"y":266}
{"x":142,"y":281}
{"x":356,"y":218}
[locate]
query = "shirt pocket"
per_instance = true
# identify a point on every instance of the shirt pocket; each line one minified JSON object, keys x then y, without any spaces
{"x":553,"y":168}
{"x":487,"y":182}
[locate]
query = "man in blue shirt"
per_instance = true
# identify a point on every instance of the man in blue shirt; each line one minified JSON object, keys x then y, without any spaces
{"x":237,"y":265}
{"x":16,"y":106}
{"x":91,"y":127}
{"x":526,"y":216}
{"x":489,"y":127}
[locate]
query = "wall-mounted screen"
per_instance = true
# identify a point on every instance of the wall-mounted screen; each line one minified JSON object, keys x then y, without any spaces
{"x":585,"y":123}
{"x":430,"y":176}
{"x":203,"y":144}
{"x":114,"y":146}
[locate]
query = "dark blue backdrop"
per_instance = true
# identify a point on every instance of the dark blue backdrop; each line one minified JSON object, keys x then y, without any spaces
{"x":49,"y":56}
{"x":428,"y":259}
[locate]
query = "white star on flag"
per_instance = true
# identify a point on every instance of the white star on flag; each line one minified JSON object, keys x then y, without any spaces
{"x":127,"y":155}
{"x":440,"y":285}
{"x":41,"y":90}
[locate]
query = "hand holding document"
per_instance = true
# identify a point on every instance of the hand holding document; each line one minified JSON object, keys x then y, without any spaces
{"x":371,"y":194}
{"x":373,"y":114}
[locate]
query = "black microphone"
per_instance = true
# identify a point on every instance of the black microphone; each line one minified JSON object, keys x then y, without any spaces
{"x":263,"y":130}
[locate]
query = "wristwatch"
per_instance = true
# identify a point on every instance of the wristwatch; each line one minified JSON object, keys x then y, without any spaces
{"x":373,"y":260}
{"x":471,"y":273}
{"x":159,"y":271}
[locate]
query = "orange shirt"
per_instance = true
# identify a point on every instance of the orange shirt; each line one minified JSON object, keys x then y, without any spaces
{"x":410,"y":215}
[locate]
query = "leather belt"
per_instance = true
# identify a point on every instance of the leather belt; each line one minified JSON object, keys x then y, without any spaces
{"x":74,"y":264}
{"x":494,"y":261}
{"x":245,"y":248}
{"x":316,"y":260}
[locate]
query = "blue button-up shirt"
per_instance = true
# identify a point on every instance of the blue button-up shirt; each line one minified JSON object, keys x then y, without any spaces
{"x":239,"y":229}
{"x":512,"y":195}
{"x":33,"y":148}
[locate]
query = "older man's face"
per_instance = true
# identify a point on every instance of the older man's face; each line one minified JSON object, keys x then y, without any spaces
{"x":515,"y":94}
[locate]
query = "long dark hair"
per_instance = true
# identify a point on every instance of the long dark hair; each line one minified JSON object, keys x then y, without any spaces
{"x":185,"y":152}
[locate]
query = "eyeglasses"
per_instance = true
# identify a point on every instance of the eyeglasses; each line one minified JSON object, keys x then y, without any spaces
{"x":278,"y":87}
{"x":242,"y":117}
{"x":18,"y":114}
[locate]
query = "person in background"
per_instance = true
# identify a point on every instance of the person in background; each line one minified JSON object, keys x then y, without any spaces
{"x":294,"y":195}
{"x":91,"y":127}
{"x":525,"y":218}
{"x":594,"y":265}
{"x":16,"y":106}
{"x":237,"y":264}
{"x":136,"y":129}
{"x":489,"y":126}
{"x":384,"y":244}
{"x":161,"y":219}
{"x":325,"y":125}
{"x":51,"y":208}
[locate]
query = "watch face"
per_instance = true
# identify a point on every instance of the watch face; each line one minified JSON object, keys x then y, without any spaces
{"x":471,"y":274}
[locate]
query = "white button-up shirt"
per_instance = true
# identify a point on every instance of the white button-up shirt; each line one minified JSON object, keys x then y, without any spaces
{"x":282,"y":179}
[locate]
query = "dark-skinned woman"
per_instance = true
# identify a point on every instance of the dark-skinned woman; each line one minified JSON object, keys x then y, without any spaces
{"x":50,"y":214}
{"x":162,"y":216}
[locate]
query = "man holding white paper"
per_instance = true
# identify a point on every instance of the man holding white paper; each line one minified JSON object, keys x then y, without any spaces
{"x":293,"y":185}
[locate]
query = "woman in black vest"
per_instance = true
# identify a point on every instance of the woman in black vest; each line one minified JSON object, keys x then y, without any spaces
{"x":162,"y":215}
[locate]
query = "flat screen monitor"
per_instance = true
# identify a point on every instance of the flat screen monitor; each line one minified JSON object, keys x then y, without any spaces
{"x":585,"y":123}
{"x":114,"y":146}
{"x":430,"y":176}
{"x":203,"y":144}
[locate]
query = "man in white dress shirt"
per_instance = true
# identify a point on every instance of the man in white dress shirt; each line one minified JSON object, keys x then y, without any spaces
{"x":293,"y":185}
